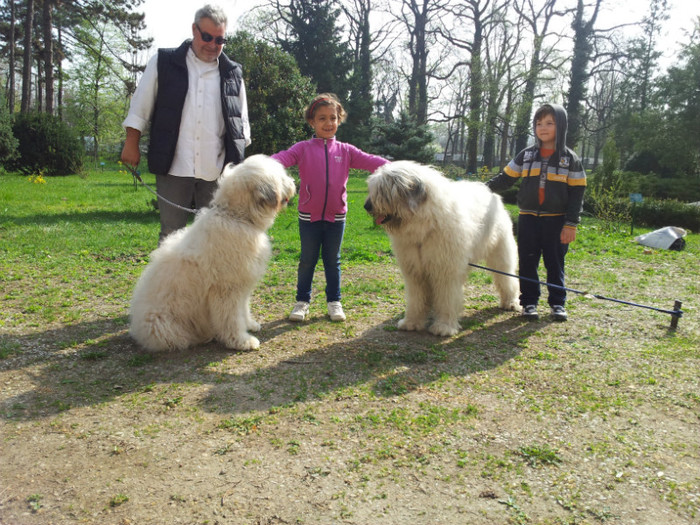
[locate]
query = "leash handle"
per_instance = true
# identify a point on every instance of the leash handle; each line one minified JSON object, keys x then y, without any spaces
{"x":137,"y":177}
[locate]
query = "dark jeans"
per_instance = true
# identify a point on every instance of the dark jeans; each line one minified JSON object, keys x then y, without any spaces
{"x":540,"y":237}
{"x":325,"y":238}
{"x":185,"y":191}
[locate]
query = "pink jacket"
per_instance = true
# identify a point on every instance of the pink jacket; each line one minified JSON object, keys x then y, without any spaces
{"x":324,"y":165}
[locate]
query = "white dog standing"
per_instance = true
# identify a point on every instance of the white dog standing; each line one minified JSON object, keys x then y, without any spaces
{"x":198,"y":283}
{"x":437,"y":227}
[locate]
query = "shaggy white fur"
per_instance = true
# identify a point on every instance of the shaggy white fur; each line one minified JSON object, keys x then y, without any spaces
{"x":198,"y":283}
{"x":437,"y":227}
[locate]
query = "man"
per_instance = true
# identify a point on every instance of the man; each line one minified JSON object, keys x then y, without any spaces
{"x":194,"y":98}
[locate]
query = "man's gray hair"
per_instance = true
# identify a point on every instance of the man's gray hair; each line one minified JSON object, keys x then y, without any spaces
{"x":213,"y":12}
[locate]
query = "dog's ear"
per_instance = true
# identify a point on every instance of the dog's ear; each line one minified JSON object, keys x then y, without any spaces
{"x":416,"y":193}
{"x":266,"y":196}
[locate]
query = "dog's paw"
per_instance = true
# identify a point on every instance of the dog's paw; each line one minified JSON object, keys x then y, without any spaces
{"x":254,"y":326}
{"x":512,"y":306}
{"x":243,"y":343}
{"x":410,"y":325}
{"x":443,"y":329}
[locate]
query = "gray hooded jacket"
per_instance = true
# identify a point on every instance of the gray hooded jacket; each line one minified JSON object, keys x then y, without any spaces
{"x":565,"y":180}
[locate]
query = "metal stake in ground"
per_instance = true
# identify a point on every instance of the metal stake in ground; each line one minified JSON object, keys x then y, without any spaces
{"x":676,"y":313}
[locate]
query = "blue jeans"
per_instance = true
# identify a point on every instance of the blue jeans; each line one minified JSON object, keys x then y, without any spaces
{"x":325,"y":238}
{"x":538,"y":237}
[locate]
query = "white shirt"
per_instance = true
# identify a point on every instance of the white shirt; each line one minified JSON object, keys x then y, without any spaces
{"x":200,"y":145}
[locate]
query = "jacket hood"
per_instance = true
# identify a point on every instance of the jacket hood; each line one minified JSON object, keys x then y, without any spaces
{"x":561,"y":121}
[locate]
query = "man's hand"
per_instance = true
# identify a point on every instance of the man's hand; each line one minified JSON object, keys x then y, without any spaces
{"x":131,"y":155}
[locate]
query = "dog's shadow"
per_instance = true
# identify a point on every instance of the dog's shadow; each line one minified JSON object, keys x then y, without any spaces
{"x":93,"y":363}
{"x":384,"y":359}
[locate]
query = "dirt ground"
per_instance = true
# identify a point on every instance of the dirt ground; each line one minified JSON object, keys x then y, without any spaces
{"x":509,"y":422}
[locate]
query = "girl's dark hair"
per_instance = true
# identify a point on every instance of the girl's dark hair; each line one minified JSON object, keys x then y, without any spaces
{"x":325,"y":99}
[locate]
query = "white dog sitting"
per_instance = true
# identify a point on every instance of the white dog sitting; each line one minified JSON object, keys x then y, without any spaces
{"x":437,"y":227}
{"x":198,"y":283}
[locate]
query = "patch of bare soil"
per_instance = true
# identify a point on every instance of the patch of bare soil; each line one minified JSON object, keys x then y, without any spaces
{"x":509,"y":422}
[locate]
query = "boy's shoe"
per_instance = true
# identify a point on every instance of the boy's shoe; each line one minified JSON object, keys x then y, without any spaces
{"x":335,"y":310}
{"x":559,"y":313}
{"x":301,"y":308}
{"x":530,"y":312}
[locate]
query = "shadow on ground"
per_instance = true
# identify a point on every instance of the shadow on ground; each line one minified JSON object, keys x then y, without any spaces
{"x":92,"y":363}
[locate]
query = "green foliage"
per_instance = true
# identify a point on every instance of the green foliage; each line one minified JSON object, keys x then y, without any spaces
{"x":8,"y":142}
{"x":314,"y":41}
{"x":605,"y":189}
{"x":276,"y":91}
{"x":404,"y":139}
{"x":607,"y":196}
{"x":615,"y":211}
{"x":678,"y":92}
{"x":608,"y":177}
{"x":96,"y":89}
{"x":679,"y":188}
{"x":358,"y":128}
{"x":658,"y":213}
{"x":656,"y":121}
{"x":46,"y":145}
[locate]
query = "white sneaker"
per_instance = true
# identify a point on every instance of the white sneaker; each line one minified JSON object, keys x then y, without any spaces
{"x":301,"y":308}
{"x":335,"y":310}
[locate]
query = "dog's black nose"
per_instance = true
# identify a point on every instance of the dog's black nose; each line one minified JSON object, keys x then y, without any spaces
{"x":368,"y":205}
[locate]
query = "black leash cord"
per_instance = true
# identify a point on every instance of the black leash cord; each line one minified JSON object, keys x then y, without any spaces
{"x":676,"y":313}
{"x":137,"y":176}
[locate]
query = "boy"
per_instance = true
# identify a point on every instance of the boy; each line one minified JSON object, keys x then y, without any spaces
{"x":550,"y":199}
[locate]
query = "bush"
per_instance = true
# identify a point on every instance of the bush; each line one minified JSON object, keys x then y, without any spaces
{"x":276,"y":91}
{"x":651,"y":213}
{"x":404,"y":139}
{"x":46,"y":145}
{"x":657,"y":214}
{"x":8,"y":142}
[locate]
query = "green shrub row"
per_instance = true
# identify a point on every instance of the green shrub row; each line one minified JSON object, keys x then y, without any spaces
{"x":41,"y":144}
{"x":651,"y":213}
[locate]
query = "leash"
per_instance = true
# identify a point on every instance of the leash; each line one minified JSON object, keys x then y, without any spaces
{"x":676,"y":313}
{"x":136,"y":174}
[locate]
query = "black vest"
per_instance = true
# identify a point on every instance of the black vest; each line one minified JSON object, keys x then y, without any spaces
{"x":170,"y":99}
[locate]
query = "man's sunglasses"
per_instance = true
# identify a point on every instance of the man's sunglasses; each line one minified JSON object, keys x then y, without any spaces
{"x":206,"y":37}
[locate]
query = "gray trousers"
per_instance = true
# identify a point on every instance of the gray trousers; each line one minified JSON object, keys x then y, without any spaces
{"x":186,"y":191}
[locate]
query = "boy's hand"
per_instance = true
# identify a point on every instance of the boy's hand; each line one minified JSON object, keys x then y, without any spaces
{"x":568,"y":234}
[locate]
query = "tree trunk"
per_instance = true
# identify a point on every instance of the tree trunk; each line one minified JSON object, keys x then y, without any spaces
{"x":59,"y":99}
{"x":48,"y":54}
{"x":27,"y":61}
{"x":11,"y":72}
{"x":418,"y":83}
{"x":476,"y":96}
{"x":504,"y":153}
{"x":583,"y":33}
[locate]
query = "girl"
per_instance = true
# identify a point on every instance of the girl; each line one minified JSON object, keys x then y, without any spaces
{"x":324,"y":165}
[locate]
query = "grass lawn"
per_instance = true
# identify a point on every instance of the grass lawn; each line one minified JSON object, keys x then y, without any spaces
{"x":509,"y":422}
